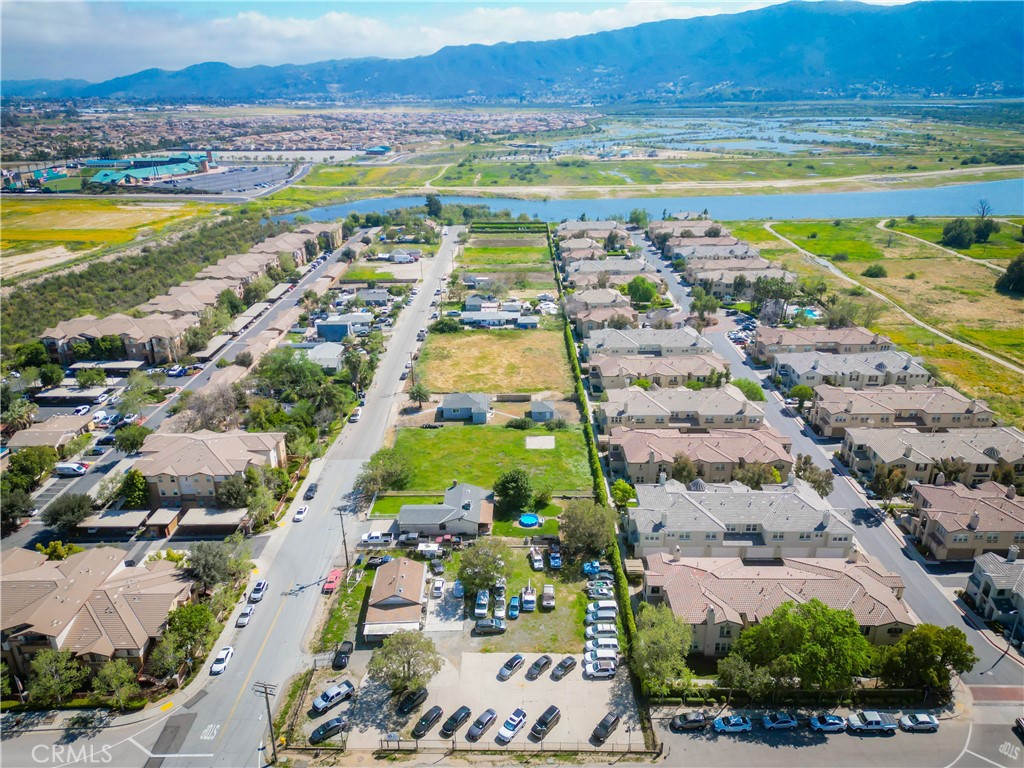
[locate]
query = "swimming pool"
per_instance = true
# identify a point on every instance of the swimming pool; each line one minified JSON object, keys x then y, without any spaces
{"x":528,"y":520}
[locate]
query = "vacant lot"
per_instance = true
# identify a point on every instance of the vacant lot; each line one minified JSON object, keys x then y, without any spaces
{"x":495,"y":361}
{"x":478,"y":454}
{"x":1002,"y":245}
{"x":369,"y":175}
{"x":502,"y":256}
{"x":369,"y":272}
{"x":508,"y":241}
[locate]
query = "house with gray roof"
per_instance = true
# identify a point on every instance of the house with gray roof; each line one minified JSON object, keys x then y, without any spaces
{"x":327,"y":355}
{"x":672,"y":342}
{"x":997,"y":588}
{"x":373,"y":296}
{"x":856,"y":371}
{"x":465,"y":406}
{"x":467,"y":510}
{"x":490,"y":319}
{"x":541,"y":410}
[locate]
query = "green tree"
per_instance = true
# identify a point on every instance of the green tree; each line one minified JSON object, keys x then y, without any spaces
{"x":419,"y":393}
{"x":130,"y":439}
{"x":434,"y":207}
{"x":482,"y":564}
{"x":622,"y":493}
{"x":639,"y":217}
{"x":90,"y":377}
{"x":750,"y":389}
{"x":33,"y":462}
{"x":683,"y":469}
{"x":446,"y":325}
{"x":821,"y":647}
{"x":641,"y":290}
{"x":208,"y":564}
{"x":586,"y":527}
{"x":736,"y":672}
{"x":703,"y":304}
{"x":55,"y":675}
{"x":802,"y":393}
{"x":659,"y":649}
{"x":134,"y":490}
{"x":820,"y":479}
{"x":958,"y":233}
{"x":887,"y":483}
{"x":1012,"y":281}
{"x":166,"y":657}
{"x":16,"y":505}
{"x":65,"y":512}
{"x":192,"y":624}
{"x":51,"y":375}
{"x":32,"y":353}
{"x":757,"y":475}
{"x":118,"y":680}
{"x":5,"y":680}
{"x":875,"y":270}
{"x":257,"y":290}
{"x":386,"y":470}
{"x":513,"y":490}
{"x":20,"y":414}
{"x":952,"y":467}
{"x":58,"y":550}
{"x":233,"y":493}
{"x":984,"y":229}
{"x":927,"y":657}
{"x":405,"y":661}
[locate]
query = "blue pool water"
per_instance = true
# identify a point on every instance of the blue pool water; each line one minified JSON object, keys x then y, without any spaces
{"x":528,"y":520}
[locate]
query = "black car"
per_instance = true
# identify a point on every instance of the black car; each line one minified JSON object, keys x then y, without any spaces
{"x":411,"y":700}
{"x":546,"y":722}
{"x":691,"y":721}
{"x":311,"y":491}
{"x":453,"y":723}
{"x":481,"y":724}
{"x":328,"y":729}
{"x":106,"y":440}
{"x":341,"y":656}
{"x":426,"y":722}
{"x":537,"y":668}
{"x":376,"y":562}
{"x":511,"y":667}
{"x":565,"y":666}
{"x":605,"y":728}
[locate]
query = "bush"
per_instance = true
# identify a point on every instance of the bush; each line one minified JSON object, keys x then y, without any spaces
{"x":812,"y":236}
{"x":522,"y":422}
{"x":875,"y":270}
{"x":841,"y":256}
{"x":751,"y":389}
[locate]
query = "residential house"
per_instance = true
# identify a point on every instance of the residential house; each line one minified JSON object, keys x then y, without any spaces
{"x":542,"y":410}
{"x":55,"y":432}
{"x":374,"y":297}
{"x":667,"y":317}
{"x":327,"y":355}
{"x":91,"y":604}
{"x":997,"y":588}
{"x":594,"y":298}
{"x":643,"y":455}
{"x":467,"y":510}
{"x":188,"y":468}
{"x":491,"y":319}
{"x":689,"y":228}
{"x":738,"y":283}
{"x":769,"y":342}
{"x":856,"y":371}
{"x":699,"y":250}
{"x":599,"y":231}
{"x":955,"y":522}
{"x":397,"y":599}
{"x":528,"y":323}
{"x":928,"y":409}
{"x":721,"y":596}
{"x":477,"y":302}
{"x":581,"y":281}
{"x":587,"y":321}
{"x":465,"y":406}
{"x":985,"y":451}
{"x":300,"y":246}
{"x":154,"y":339}
{"x":731,"y":520}
{"x":675,"y":342}
{"x":608,"y":372}
{"x":336,"y":328}
{"x":724,"y":407}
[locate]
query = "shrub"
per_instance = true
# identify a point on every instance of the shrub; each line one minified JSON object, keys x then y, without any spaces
{"x":812,"y":236}
{"x":911,"y":275}
{"x":556,"y":425}
{"x":875,"y":270}
{"x":841,"y":256}
{"x":522,"y":422}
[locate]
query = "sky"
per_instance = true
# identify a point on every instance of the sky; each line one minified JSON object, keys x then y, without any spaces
{"x":99,"y":39}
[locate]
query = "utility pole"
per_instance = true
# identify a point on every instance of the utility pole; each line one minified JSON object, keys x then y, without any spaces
{"x":344,"y":538}
{"x":266,"y":690}
{"x":412,"y":369}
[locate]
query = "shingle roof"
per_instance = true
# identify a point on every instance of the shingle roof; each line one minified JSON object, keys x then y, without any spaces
{"x":399,"y":582}
{"x":629,"y":339}
{"x":633,"y":402}
{"x":1003,"y":573}
{"x":730,"y":446}
{"x":643,"y":366}
{"x":818,"y":335}
{"x":136,"y":328}
{"x":866,"y":363}
{"x":984,"y":445}
{"x":205,"y":452}
{"x":472,"y":400}
{"x":953,"y":506}
{"x":894,"y":398}
{"x":461,"y":502}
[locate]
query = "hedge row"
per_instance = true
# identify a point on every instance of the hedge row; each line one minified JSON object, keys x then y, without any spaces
{"x":600,"y":495}
{"x":711,"y":695}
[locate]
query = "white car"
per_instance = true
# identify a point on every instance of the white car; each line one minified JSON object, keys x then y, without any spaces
{"x":300,"y":514}
{"x":221,"y":662}
{"x":101,"y":399}
{"x":600,"y":670}
{"x":601,"y":643}
{"x":601,"y":630}
{"x":512,"y":726}
{"x":356,"y":414}
{"x":437,"y":591}
{"x":499,"y":607}
{"x":82,"y":410}
{"x":919,"y":722}
{"x":245,"y":615}
{"x":733,"y":724}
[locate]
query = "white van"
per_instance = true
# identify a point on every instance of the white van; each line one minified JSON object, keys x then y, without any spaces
{"x":69,"y":469}
{"x":601,"y":605}
{"x":605,"y":654}
{"x":602,"y":644}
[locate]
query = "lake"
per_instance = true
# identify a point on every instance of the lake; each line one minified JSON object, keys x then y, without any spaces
{"x":1005,"y":197}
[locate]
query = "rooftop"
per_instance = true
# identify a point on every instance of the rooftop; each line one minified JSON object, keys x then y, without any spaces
{"x":975,"y":446}
{"x":205,"y":452}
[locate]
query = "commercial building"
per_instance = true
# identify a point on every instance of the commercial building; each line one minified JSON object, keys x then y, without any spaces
{"x":686,"y":410}
{"x":955,"y":522}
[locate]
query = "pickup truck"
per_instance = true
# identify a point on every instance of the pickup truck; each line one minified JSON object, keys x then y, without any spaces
{"x":872,"y":722}
{"x":529,"y":598}
{"x":547,"y":598}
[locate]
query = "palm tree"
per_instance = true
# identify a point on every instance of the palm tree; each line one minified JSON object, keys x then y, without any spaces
{"x":419,"y":393}
{"x":21,"y":414}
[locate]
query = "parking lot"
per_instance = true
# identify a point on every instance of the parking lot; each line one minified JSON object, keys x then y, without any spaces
{"x":235,"y":177}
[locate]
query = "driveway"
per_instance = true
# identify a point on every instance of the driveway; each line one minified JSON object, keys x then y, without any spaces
{"x":445,"y":615}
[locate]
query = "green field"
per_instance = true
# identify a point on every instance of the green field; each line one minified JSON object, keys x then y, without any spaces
{"x":1002,"y":244}
{"x":478,"y":454}
{"x":858,"y":239}
{"x":503,"y":256}
{"x":367,"y":272}
{"x":369,"y":175}
{"x":389,"y":506}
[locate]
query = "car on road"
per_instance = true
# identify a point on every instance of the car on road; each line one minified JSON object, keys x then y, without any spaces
{"x":490,"y":627}
{"x":325,"y":731}
{"x":356,"y":415}
{"x":546,"y":722}
{"x":733,"y":724}
{"x":100,"y":399}
{"x":106,"y":440}
{"x":245,"y":616}
{"x":453,"y":723}
{"x":483,"y":599}
{"x":82,"y":410}
{"x":404,"y":376}
{"x":481,"y":724}
{"x":311,"y":491}
{"x":410,"y":700}
{"x":513,"y":665}
{"x":513,"y":607}
{"x":826,"y":723}
{"x":563,"y":668}
{"x":342,"y":655}
{"x":426,"y":722}
{"x":220,"y":663}
{"x":778,"y":721}
{"x":537,"y":668}
{"x":690,"y":721}
{"x":605,"y":728}
{"x":919,"y":721}
{"x":513,"y":725}
{"x":437,"y":590}
{"x":300,"y":514}
{"x":259,"y":591}
{"x":333,"y":695}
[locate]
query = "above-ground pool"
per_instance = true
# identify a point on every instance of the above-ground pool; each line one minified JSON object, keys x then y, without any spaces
{"x":528,"y":520}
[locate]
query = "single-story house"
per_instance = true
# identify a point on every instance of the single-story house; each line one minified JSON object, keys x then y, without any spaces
{"x":465,"y":406}
{"x":493,"y":319}
{"x":337,"y":327}
{"x":327,"y":355}
{"x":396,"y":601}
{"x":528,"y":322}
{"x":541,"y":410}
{"x":374,"y":297}
{"x":480,"y":303}
{"x":467,"y":510}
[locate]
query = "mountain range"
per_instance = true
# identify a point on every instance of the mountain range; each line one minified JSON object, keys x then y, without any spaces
{"x":799,"y":50}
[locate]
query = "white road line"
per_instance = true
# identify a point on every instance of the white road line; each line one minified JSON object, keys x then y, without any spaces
{"x":990,"y":762}
{"x":165,"y":756}
{"x":967,"y":743}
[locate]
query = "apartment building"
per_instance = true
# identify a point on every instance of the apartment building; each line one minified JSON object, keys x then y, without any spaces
{"x":686,"y":410}
{"x":599,"y":231}
{"x":594,"y":298}
{"x":769,"y":342}
{"x":631,"y":267}
{"x":686,"y":228}
{"x":737,"y":283}
{"x":927,"y":409}
{"x":588,"y":321}
{"x":997,"y":588}
{"x":724,"y":264}
{"x":155,"y":339}
{"x":959,"y":523}
{"x":673,"y":342}
{"x":856,"y":371}
{"x":608,"y":372}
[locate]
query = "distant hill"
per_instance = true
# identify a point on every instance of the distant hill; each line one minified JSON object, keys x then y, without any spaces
{"x":794,"y":51}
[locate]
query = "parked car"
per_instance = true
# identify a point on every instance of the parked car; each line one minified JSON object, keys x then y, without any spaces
{"x":605,"y":728}
{"x":601,"y":630}
{"x":546,"y":722}
{"x":919,"y":722}
{"x":458,"y":590}
{"x":483,"y":599}
{"x":778,"y":721}
{"x":437,"y":590}
{"x":376,"y":562}
{"x":602,"y":644}
{"x":342,"y":655}
{"x":600,"y":593}
{"x":453,"y":723}
{"x":601,"y":616}
{"x":555,"y":560}
{"x":300,"y":514}
{"x":499,"y":607}
{"x":536,"y":560}
{"x":333,"y":695}
{"x":563,"y":668}
{"x":826,"y":723}
{"x":733,"y":724}
{"x":81,"y":410}
{"x":691,"y":721}
{"x":537,"y":668}
{"x":600,"y":670}
{"x":426,"y":722}
{"x":513,"y":725}
{"x":481,"y":724}
{"x":223,"y":658}
{"x":259,"y":591}
{"x":106,"y":440}
{"x":490,"y":627}
{"x":513,"y":607}
{"x":245,"y":616}
{"x":410,"y":700}
{"x":325,"y":731}
{"x":511,"y":666}
{"x":600,"y":585}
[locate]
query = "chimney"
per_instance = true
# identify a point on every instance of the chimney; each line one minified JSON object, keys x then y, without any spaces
{"x":849,"y":406}
{"x":826,"y":518}
{"x":908,"y":451}
{"x":975,"y":521}
{"x":711,"y":616}
{"x":940,"y":479}
{"x":1011,"y":554}
{"x":790,"y":480}
{"x":662,"y":477}
{"x":664,"y":519}
{"x":854,"y":555}
{"x":1011,"y":491}
{"x":678,"y":553}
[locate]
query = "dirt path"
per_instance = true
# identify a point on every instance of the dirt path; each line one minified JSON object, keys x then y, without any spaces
{"x":12,"y":266}
{"x":993,"y":267}
{"x":430,"y":182}
{"x":881,"y":297}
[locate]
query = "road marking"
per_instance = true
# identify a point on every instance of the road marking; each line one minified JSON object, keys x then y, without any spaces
{"x":147,"y":753}
{"x":210,"y":732}
{"x":967,"y":743}
{"x":990,"y":762}
{"x":167,"y":706}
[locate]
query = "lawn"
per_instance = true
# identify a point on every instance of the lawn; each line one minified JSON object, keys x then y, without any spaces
{"x":501,"y":256}
{"x":478,"y":454}
{"x":509,"y":240}
{"x":389,"y":506}
{"x":495,"y":361}
{"x":508,"y":524}
{"x":367,"y":272}
{"x":344,"y":612}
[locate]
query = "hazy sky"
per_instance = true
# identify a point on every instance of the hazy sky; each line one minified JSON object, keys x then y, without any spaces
{"x":96,"y":39}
